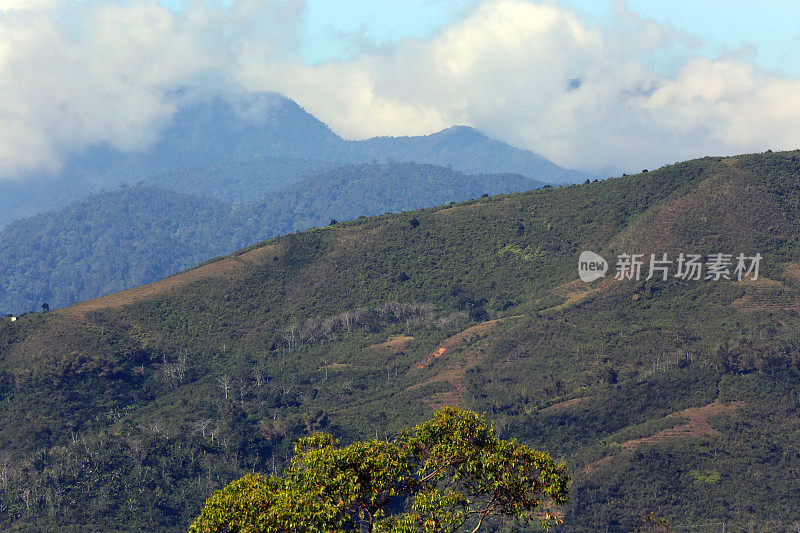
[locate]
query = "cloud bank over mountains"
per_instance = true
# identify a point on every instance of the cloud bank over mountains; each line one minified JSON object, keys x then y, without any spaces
{"x":531,"y":73}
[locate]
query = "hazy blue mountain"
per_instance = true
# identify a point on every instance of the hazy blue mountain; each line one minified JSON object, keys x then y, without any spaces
{"x":239,"y":181}
{"x":134,"y":235}
{"x":105,"y":243}
{"x":368,"y":189}
{"x":206,"y":133}
{"x":263,"y":136}
{"x":465,"y":149}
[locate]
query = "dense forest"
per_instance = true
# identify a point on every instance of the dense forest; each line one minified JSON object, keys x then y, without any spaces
{"x":135,"y":235}
{"x":670,"y":400}
{"x":241,"y":182}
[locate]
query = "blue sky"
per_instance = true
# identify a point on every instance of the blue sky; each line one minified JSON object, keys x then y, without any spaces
{"x":331,"y":28}
{"x":771,"y":27}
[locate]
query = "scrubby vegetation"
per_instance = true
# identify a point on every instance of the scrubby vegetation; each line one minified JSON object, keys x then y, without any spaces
{"x":674,"y":400}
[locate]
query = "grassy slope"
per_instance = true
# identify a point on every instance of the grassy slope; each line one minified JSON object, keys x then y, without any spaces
{"x":119,"y":416}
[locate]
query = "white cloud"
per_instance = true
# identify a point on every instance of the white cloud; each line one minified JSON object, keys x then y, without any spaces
{"x":531,"y":73}
{"x":29,"y":5}
{"x":74,"y":74}
{"x":88,"y":73}
{"x":540,"y":76}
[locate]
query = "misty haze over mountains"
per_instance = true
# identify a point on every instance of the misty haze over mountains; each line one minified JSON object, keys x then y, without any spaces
{"x":265,"y":141}
{"x":230,"y":170}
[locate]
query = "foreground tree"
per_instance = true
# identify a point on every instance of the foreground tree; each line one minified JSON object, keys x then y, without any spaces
{"x":447,"y":474}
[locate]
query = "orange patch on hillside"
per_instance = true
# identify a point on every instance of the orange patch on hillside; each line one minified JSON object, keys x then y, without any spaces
{"x":455,"y":370}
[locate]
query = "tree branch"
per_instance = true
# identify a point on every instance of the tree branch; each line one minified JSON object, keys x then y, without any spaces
{"x":485,"y":512}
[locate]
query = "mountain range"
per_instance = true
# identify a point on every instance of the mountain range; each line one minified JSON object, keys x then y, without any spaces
{"x":261,"y":135}
{"x":234,"y":169}
{"x":672,"y":399}
{"x":135,"y":235}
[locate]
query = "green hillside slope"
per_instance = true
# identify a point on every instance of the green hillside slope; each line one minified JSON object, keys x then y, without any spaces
{"x":677,"y":398}
{"x":135,"y":235}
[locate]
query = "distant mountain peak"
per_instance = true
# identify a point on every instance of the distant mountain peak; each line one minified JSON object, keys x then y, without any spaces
{"x":210,"y":130}
{"x":462,"y":134}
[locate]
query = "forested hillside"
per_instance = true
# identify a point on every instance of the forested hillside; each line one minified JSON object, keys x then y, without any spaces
{"x":244,"y":182}
{"x":136,"y":235}
{"x":677,"y":399}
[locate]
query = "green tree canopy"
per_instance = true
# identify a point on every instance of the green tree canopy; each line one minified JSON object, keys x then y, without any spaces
{"x":446,"y":474}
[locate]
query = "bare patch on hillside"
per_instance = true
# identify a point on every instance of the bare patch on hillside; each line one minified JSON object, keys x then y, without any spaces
{"x":696,"y":423}
{"x":356,"y":237}
{"x":470,"y":334}
{"x":448,"y":211}
{"x":576,"y":291}
{"x":727,"y":207}
{"x":455,"y":368}
{"x":766,"y":294}
{"x":689,"y":423}
{"x":223,"y":268}
{"x":443,"y":399}
{"x":561,"y":406}
{"x":762,"y":282}
{"x":792,"y":271}
{"x":337,"y":366}
{"x":58,"y":343}
{"x":394,"y":345}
